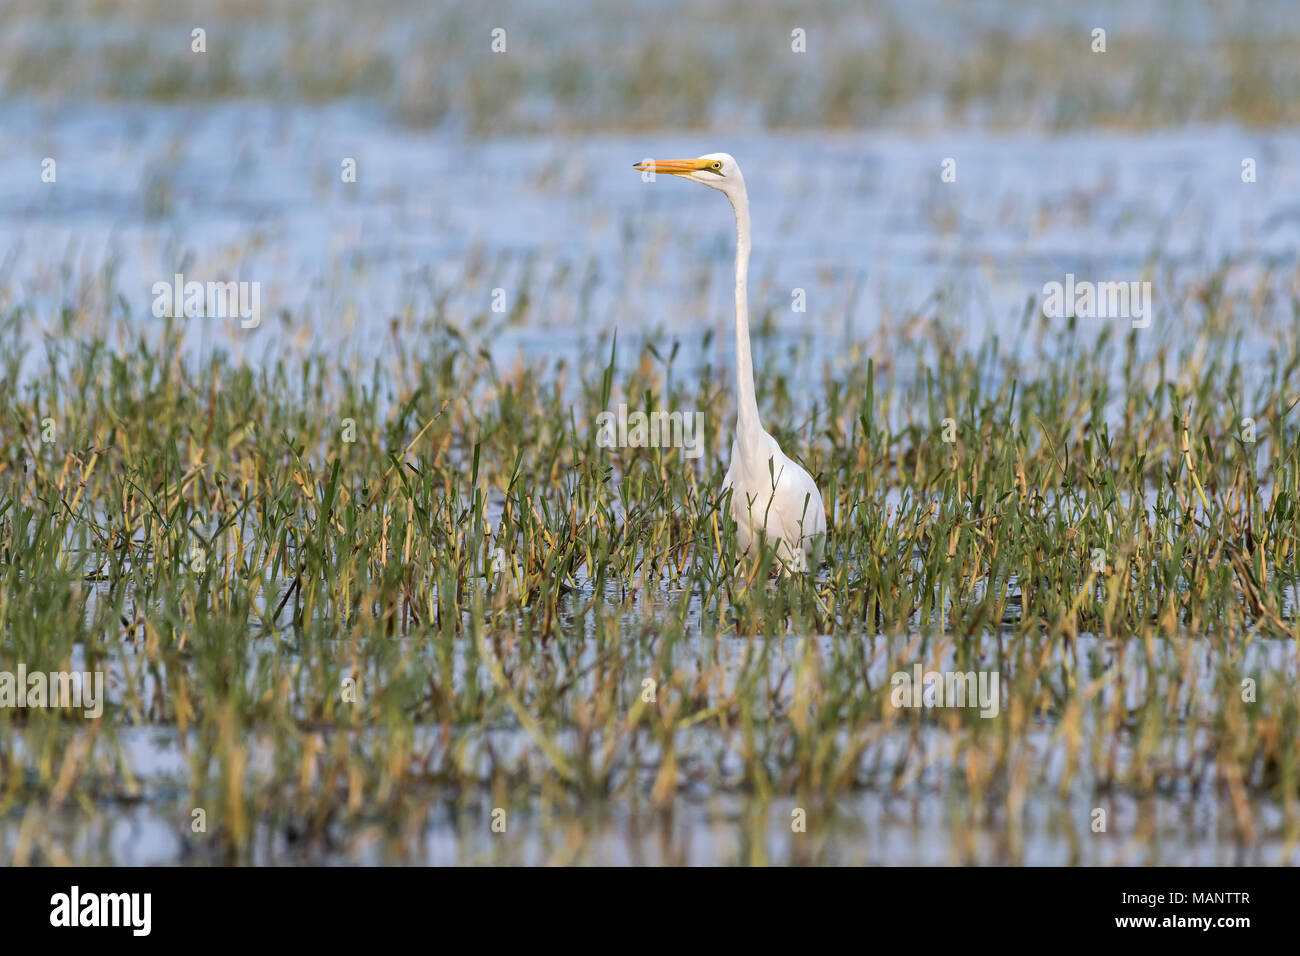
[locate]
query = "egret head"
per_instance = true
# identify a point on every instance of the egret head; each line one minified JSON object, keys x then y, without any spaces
{"x":716,"y":170}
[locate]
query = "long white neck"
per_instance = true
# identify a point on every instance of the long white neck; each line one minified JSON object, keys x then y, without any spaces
{"x":748,"y":428}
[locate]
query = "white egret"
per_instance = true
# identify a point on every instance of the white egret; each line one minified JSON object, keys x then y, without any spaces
{"x":772,"y":497}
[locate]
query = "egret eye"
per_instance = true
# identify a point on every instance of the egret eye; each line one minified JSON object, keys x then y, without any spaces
{"x":716,"y":165}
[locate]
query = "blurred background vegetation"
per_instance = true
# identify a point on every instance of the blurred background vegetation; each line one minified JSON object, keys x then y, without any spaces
{"x":722,"y":64}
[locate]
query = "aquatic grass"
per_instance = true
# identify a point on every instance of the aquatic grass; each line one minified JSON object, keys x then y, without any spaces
{"x":646,"y":65}
{"x":460,"y":608}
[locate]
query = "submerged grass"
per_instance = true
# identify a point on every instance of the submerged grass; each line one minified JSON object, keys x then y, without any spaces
{"x":366,"y":603}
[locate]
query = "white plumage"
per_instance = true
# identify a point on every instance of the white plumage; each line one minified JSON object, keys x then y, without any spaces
{"x":771,"y":495}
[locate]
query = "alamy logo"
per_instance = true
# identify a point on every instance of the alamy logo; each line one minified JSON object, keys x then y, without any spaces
{"x":213,"y":300}
{"x":56,"y":689}
{"x":947,"y":689}
{"x":684,"y":430}
{"x":1098,"y":300}
{"x":103,"y":909}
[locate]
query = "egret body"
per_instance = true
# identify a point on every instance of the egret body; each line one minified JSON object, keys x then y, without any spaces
{"x":772,"y":496}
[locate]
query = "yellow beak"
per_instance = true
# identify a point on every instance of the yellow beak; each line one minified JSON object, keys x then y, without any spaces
{"x":674,"y":167}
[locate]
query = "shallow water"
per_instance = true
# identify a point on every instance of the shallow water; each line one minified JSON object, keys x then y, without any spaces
{"x":924,"y":822}
{"x":437,"y":221}
{"x":907,"y":806}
